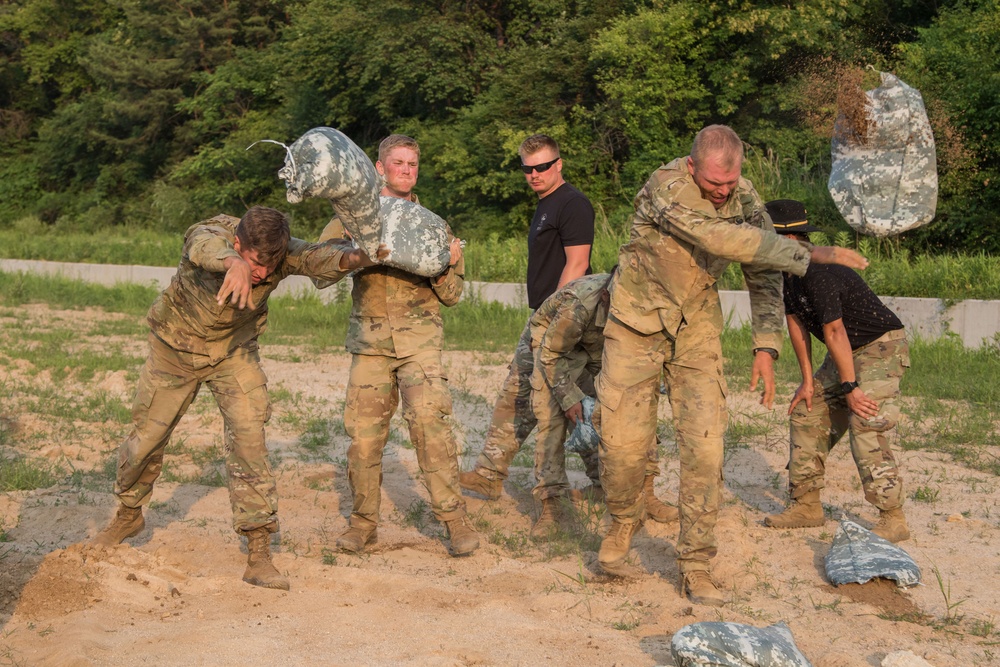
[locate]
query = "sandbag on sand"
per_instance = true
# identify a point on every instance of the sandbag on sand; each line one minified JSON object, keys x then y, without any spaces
{"x":858,"y":555}
{"x":718,"y":644}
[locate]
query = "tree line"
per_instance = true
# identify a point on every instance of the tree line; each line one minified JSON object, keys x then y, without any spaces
{"x":139,"y":112}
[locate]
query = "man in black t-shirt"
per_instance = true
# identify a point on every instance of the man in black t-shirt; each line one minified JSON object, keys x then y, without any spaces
{"x":559,"y":242}
{"x":855,"y":389}
{"x":562,"y":229}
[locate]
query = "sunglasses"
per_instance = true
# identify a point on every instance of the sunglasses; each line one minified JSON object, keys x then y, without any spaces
{"x":540,"y":168}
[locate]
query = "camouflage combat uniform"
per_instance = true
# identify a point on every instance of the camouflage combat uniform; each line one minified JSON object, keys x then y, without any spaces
{"x":194,"y":340}
{"x":513,"y":420}
{"x":665,"y":314}
{"x":395,"y":337}
{"x":567,"y":337}
{"x":878,"y":366}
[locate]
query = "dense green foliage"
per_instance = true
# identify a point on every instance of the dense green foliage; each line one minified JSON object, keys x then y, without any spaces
{"x":138,"y":113}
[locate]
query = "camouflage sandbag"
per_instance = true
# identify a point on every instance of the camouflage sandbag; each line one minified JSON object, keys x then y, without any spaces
{"x":884,"y":175}
{"x":583,"y":439}
{"x":417,"y":239}
{"x":323,"y":162}
{"x":718,"y":644}
{"x":858,"y":555}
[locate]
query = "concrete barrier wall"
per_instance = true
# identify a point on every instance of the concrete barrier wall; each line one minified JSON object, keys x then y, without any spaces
{"x":973,"y":321}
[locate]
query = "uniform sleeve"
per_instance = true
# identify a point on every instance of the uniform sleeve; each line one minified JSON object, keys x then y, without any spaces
{"x":767,"y":311}
{"x":449,"y":291}
{"x":559,"y":341}
{"x":576,"y":222}
{"x":683,"y":213}
{"x":333,"y":230}
{"x":316,"y":260}
{"x":207,"y":247}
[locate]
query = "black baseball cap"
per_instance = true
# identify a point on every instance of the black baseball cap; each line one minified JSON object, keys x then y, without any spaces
{"x":789,"y":217}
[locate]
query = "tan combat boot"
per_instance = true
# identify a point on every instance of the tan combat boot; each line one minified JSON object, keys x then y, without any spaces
{"x":594,"y":493}
{"x":358,"y":535}
{"x":700,"y":589}
{"x":260,"y":570}
{"x":892,"y":525}
{"x":615,"y":545}
{"x":548,"y":519}
{"x":806,"y":511}
{"x":464,"y":539}
{"x":487,"y":488}
{"x":128,"y":522}
{"x":656,"y":509}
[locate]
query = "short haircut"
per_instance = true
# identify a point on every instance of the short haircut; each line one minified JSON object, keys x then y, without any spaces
{"x":535,"y":143}
{"x":719,"y":141}
{"x":396,"y":141}
{"x":264,"y":230}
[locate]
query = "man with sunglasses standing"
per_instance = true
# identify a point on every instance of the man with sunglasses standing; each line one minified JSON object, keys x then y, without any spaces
{"x":562,"y":229}
{"x":559,"y":243}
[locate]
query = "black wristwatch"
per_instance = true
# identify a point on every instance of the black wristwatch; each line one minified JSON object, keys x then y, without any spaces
{"x":769,"y":350}
{"x":848,"y":387}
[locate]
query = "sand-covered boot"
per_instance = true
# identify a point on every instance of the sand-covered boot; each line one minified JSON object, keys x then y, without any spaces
{"x":487,"y":488}
{"x":656,"y":509}
{"x":464,"y":538}
{"x":128,"y":522}
{"x":892,"y":525}
{"x":615,"y":545}
{"x":700,"y":589}
{"x":548,"y":519}
{"x":806,"y":511}
{"x":260,"y":570}
{"x":358,"y":535}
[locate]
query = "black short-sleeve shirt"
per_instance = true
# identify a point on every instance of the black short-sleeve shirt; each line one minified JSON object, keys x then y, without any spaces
{"x":563,"y":218}
{"x":830,"y":292}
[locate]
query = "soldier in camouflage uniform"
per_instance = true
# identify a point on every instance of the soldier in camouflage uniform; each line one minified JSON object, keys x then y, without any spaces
{"x":204,"y":328}
{"x":693,"y":217}
{"x":855,"y":389}
{"x":564,"y":340}
{"x":395,"y":338}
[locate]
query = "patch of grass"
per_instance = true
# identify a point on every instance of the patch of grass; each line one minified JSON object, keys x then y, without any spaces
{"x":416,"y":514}
{"x":925,"y":494}
{"x":22,"y":474}
{"x":17,"y":289}
{"x":121,"y":245}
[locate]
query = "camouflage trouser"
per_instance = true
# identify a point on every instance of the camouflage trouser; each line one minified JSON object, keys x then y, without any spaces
{"x":878,"y":367}
{"x":553,"y":427}
{"x":169,"y":381}
{"x":375,"y":386}
{"x":513,"y":419}
{"x":625,"y":419}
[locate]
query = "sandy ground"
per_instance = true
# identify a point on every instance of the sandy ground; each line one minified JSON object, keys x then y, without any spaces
{"x":174,"y":596}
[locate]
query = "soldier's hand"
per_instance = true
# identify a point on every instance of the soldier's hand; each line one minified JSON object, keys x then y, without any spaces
{"x":359,"y":259}
{"x":763,"y":369}
{"x":803,"y":393}
{"x":237,"y":284}
{"x":824,"y":254}
{"x":456,"y":251}
{"x":575,"y":413}
{"x":861,"y":404}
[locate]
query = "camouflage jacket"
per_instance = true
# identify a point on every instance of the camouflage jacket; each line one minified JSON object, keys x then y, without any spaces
{"x":680,"y":245}
{"x":567,"y":330}
{"x":395,"y":313}
{"x":186,"y":315}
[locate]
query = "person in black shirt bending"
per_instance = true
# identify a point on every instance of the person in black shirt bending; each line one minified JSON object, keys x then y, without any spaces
{"x":855,"y":389}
